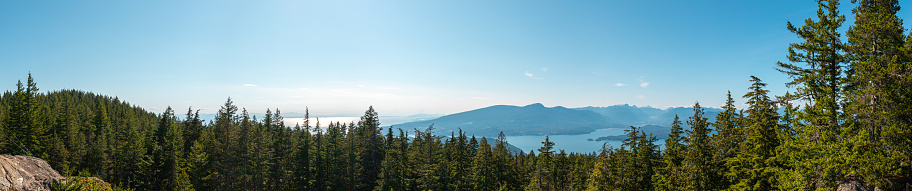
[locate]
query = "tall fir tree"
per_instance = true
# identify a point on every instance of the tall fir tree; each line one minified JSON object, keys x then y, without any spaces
{"x":483,"y":174}
{"x":878,"y":107}
{"x":370,"y":149}
{"x":752,"y":168}
{"x":543,"y":173}
{"x":669,"y":175}
{"x":99,"y":154}
{"x":816,"y":68}
{"x":729,"y":134}
{"x":168,"y":154}
{"x":24,"y":120}
{"x":698,"y":165}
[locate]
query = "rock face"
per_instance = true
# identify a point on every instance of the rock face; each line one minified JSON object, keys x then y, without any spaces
{"x":26,"y":173}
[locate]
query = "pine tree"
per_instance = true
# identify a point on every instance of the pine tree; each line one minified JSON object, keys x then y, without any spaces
{"x":669,"y":175}
{"x":699,"y":171}
{"x":819,"y":81}
{"x":58,"y":152}
{"x":98,"y":158}
{"x":223,"y":148}
{"x":752,"y":168}
{"x":543,"y":174}
{"x":394,"y":169}
{"x":257,"y":151}
{"x":303,"y":157}
{"x":25,"y":128}
{"x":504,"y":165}
{"x":128,"y":151}
{"x":728,"y":136}
{"x":630,"y":167}
{"x":483,"y":177}
{"x":168,"y":153}
{"x":196,"y":159}
{"x":370,"y":149}
{"x":425,"y":156}
{"x":877,"y":96}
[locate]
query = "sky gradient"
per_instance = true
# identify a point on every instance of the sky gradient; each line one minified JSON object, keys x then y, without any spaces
{"x":402,"y":57}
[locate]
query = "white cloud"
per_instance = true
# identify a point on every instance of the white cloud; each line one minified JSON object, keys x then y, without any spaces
{"x":642,"y":82}
{"x":544,"y":69}
{"x":359,"y":85}
{"x":640,"y":96}
{"x":619,"y":84}
{"x":250,"y":85}
{"x":388,"y":88}
{"x":531,"y":75}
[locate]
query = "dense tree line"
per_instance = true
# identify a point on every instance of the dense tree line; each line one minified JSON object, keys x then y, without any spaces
{"x":847,"y":120}
{"x":101,"y":136}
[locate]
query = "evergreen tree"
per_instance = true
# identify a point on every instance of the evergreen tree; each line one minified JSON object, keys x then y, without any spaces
{"x":425,"y":155}
{"x":394,"y":169}
{"x":483,"y":174}
{"x":58,"y":152}
{"x":24,"y":121}
{"x":753,"y":168}
{"x":699,"y":172}
{"x":223,"y":148}
{"x":505,"y":167}
{"x":630,"y":167}
{"x":669,"y":175}
{"x":303,"y":157}
{"x":128,"y":151}
{"x":819,"y":82}
{"x":728,"y":136}
{"x":98,"y":159}
{"x":543,"y":175}
{"x":168,"y":153}
{"x":370,"y":149}
{"x":877,"y":96}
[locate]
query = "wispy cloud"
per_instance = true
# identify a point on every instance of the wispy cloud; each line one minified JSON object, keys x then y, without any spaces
{"x":360,"y":85}
{"x":642,"y":82}
{"x":544,"y":69}
{"x":531,"y":75}
{"x":388,"y":88}
{"x":250,"y":85}
{"x":640,"y":96}
{"x":619,"y":84}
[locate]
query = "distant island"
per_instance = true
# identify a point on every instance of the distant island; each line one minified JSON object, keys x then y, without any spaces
{"x":536,"y":119}
{"x":661,"y":133}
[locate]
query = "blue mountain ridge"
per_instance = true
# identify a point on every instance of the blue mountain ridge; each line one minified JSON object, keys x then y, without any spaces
{"x":536,"y":119}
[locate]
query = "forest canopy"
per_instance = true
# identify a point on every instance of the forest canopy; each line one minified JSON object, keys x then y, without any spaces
{"x":847,"y":120}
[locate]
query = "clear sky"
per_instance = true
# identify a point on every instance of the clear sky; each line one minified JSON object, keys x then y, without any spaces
{"x":402,"y":57}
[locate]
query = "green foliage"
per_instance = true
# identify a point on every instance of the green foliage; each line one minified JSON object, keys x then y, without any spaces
{"x":71,"y":183}
{"x":752,"y":167}
{"x":878,"y":104}
{"x":669,"y":172}
{"x":630,"y":167}
{"x":698,"y":166}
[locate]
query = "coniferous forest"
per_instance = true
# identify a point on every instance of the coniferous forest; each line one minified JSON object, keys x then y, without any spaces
{"x":847,"y":119}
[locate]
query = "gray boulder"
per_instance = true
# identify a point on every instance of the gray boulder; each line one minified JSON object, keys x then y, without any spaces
{"x":26,"y":173}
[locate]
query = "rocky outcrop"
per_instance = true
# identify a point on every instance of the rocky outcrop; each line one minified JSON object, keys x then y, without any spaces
{"x":26,"y":173}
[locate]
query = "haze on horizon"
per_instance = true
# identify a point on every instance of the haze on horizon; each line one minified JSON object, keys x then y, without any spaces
{"x":402,"y":57}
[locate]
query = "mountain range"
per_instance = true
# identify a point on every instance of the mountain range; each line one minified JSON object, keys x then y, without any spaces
{"x":536,"y":119}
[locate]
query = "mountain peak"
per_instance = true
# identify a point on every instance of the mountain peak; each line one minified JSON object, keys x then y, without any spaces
{"x":535,"y":105}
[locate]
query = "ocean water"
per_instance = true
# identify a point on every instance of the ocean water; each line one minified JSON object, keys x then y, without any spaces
{"x":568,"y":143}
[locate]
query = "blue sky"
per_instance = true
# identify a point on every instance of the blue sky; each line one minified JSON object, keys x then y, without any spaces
{"x":402,"y":57}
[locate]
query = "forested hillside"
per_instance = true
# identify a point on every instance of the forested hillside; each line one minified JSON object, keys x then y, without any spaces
{"x":533,"y":119}
{"x":847,"y":120}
